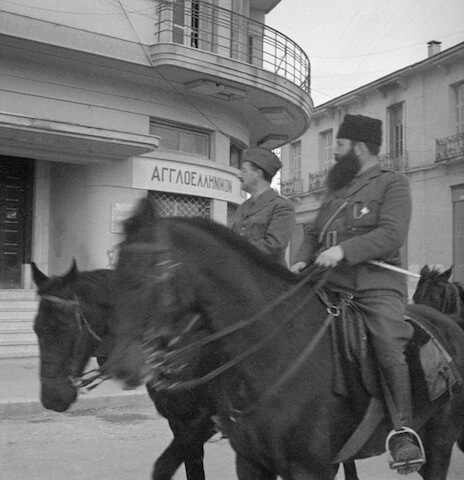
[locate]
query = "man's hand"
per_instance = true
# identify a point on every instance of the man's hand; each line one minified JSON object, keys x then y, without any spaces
{"x":297,"y":267}
{"x":330,"y":257}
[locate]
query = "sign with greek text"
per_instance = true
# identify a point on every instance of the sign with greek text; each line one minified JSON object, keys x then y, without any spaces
{"x":176,"y":177}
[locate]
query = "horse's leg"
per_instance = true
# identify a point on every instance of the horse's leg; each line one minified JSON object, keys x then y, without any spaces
{"x":439,"y":437}
{"x":350,"y":471}
{"x":194,"y":454}
{"x":193,"y":462}
{"x":169,"y":461}
{"x":248,"y":470}
{"x":298,"y":472}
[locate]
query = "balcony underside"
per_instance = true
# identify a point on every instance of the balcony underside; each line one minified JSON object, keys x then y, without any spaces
{"x":275,"y":109}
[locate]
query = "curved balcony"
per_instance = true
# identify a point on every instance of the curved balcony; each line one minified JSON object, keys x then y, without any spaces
{"x":217,"y":52}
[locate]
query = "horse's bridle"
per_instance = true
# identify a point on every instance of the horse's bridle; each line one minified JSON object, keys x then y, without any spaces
{"x":83,"y":326}
{"x":79,"y":316}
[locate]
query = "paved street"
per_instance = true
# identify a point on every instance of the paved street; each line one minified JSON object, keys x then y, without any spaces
{"x":116,"y":443}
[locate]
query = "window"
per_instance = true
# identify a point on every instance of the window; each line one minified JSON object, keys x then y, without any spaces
{"x":171,"y":204}
{"x":396,"y":129}
{"x":181,"y":139}
{"x":235,"y":159}
{"x":251,"y":48}
{"x":325,"y":149}
{"x":295,"y":160}
{"x":178,"y":21}
{"x":460,"y":108}
{"x":231,"y":211}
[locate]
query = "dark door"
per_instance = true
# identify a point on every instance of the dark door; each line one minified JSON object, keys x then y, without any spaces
{"x":16,"y":179}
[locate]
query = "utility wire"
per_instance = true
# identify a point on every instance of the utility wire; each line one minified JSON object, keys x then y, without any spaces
{"x":74,"y":12}
{"x":171,"y":84}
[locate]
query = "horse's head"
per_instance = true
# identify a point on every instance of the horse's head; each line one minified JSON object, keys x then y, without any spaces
{"x":172,"y":269}
{"x":154,"y":297}
{"x":435,"y":290}
{"x":68,"y":327}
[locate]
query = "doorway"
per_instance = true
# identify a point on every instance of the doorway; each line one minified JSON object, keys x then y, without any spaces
{"x":16,"y":182}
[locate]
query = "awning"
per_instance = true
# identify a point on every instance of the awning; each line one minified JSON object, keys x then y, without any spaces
{"x":44,"y":139}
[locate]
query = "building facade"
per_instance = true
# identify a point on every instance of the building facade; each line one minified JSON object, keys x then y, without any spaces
{"x":102,"y":103}
{"x":421,"y":107}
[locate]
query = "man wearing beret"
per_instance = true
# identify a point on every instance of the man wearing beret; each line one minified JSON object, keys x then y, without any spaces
{"x":266,"y":219}
{"x":365,"y":216}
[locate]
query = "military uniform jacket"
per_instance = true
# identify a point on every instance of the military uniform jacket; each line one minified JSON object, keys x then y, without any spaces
{"x":369,"y":218}
{"x":267,"y":222}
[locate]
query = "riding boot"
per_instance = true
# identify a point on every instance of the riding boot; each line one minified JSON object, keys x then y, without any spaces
{"x":404,"y":446}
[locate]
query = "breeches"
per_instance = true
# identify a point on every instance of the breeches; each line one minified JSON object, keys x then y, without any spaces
{"x":388,"y":331}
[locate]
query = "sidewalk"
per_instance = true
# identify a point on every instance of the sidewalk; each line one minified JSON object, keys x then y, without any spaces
{"x":20,"y":390}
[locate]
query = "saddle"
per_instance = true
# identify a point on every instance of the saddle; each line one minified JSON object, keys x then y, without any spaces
{"x":356,"y":375}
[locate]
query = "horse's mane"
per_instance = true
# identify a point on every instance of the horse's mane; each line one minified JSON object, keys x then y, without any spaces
{"x":431,"y":274}
{"x":236,"y":242}
{"x":146,"y":216}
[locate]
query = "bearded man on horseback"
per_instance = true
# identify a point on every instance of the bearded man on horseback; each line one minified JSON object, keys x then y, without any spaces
{"x":365,"y":216}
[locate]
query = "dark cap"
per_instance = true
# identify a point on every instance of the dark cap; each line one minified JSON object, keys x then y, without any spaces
{"x":361,"y":129}
{"x":262,"y":158}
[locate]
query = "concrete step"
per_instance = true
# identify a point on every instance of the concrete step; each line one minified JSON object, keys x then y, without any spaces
{"x":17,"y":316}
{"x":18,"y":294}
{"x":18,"y":326}
{"x":17,"y":311}
{"x":19,"y":351}
{"x":18,"y":305}
{"x":17,"y":338}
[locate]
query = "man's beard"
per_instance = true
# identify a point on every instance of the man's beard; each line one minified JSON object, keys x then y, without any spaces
{"x":343,"y":171}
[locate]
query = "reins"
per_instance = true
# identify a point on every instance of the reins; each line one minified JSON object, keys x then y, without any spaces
{"x":246,"y":323}
{"x":332,"y":312}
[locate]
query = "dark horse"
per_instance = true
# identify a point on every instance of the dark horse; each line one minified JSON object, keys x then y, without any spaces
{"x":74,"y":318}
{"x":275,"y":403}
{"x":435,"y":289}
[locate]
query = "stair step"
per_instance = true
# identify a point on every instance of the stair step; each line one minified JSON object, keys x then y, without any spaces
{"x":17,"y":338}
{"x":19,"y":351}
{"x":18,"y":327}
{"x":18,"y":315}
{"x":18,"y":294}
{"x":18,"y":305}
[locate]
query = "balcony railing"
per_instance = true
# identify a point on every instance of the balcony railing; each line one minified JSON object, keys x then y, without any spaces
{"x":450,"y":148}
{"x":291,"y":187}
{"x":205,"y":26}
{"x":317,"y":181}
{"x":396,"y":162}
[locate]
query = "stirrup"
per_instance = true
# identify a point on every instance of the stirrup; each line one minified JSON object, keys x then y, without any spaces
{"x":407,"y":466}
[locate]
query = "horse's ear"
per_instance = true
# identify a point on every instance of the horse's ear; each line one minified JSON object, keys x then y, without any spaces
{"x":425,"y":270}
{"x":72,"y":272}
{"x":39,"y":277}
{"x":447,"y":274}
{"x":146,"y":213}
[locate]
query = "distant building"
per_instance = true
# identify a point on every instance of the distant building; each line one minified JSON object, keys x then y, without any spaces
{"x":422,"y":109}
{"x":102,"y":104}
